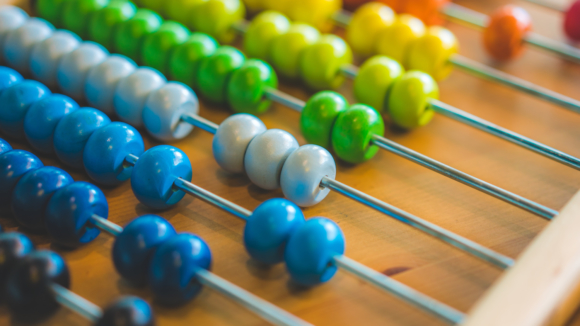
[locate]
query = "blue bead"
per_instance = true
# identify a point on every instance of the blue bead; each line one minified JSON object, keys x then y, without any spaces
{"x":127,"y":311}
{"x":13,"y":246}
{"x":16,"y":100}
{"x":42,"y":119}
{"x":106,"y":150}
{"x":310,"y":250}
{"x":153,"y":176}
{"x":269,"y":228}
{"x":9,"y":77}
{"x":4,"y":146}
{"x":73,"y":132}
{"x":13,"y":165}
{"x":174,"y":266}
{"x":134,"y":247}
{"x":69,"y":210}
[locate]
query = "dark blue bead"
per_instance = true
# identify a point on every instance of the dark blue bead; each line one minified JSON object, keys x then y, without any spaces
{"x":16,"y":100}
{"x":106,"y":150}
{"x":269,"y":228}
{"x":134,"y":247}
{"x":9,"y":77}
{"x":310,"y":250}
{"x":42,"y":118}
{"x":153,"y":176}
{"x":13,"y":165}
{"x":73,"y":132}
{"x":173,"y":269}
{"x":127,"y":311}
{"x":4,"y":146}
{"x":13,"y":246}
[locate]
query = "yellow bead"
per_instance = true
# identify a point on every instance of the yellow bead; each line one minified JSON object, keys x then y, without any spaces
{"x":431,"y":52}
{"x":374,"y":80}
{"x":365,"y":25}
{"x":285,"y":49}
{"x":216,"y":17}
{"x":317,"y":13}
{"x":261,"y":31}
{"x":394,"y":40}
{"x":253,"y":5}
{"x":276,"y":5}
{"x":179,"y":10}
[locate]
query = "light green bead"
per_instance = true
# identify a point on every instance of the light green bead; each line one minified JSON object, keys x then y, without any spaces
{"x":247,"y":85}
{"x":158,"y":45}
{"x":285,"y":49}
{"x":180,"y":10}
{"x":261,"y":31}
{"x":216,"y":17}
{"x":374,"y":80}
{"x":153,"y":5}
{"x":409,"y":99}
{"x":76,"y":14}
{"x":129,"y":35}
{"x":214,"y":72}
{"x":318,"y":116}
{"x":320,"y":62}
{"x":103,"y":22}
{"x":186,"y":57}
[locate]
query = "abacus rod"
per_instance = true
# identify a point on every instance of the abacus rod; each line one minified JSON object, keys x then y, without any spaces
{"x":465,"y":15}
{"x":350,"y":71}
{"x":106,"y":225}
{"x":131,"y":159}
{"x":549,"y":5}
{"x":400,"y":290}
{"x":438,"y":232}
{"x":284,"y":99}
{"x":342,"y":18}
{"x":546,"y":43}
{"x":464,"y":178}
{"x":259,"y":306}
{"x":76,"y":303}
{"x":200,"y":122}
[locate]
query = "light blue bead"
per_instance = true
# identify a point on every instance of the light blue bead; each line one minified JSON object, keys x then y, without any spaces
{"x":268,"y":229}
{"x":16,"y":100}
{"x":42,"y":118}
{"x":106,"y":150}
{"x":19,"y":42}
{"x":46,"y":55}
{"x":9,"y":77}
{"x":102,"y":81}
{"x":310,"y":250}
{"x":73,"y":132}
{"x":4,"y":146}
{"x":153,"y":176}
{"x":13,"y":165}
{"x":11,"y":18}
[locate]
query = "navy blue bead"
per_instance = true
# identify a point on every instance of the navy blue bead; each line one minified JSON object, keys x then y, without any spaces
{"x":106,"y":150}
{"x":13,"y":246}
{"x":153,"y":176}
{"x":16,"y":100}
{"x":42,"y":118}
{"x":73,"y":132}
{"x":4,"y":146}
{"x":173,"y":269}
{"x":127,"y":311}
{"x":69,"y":211}
{"x":134,"y":247}
{"x":269,"y":228}
{"x":310,"y":250}
{"x":9,"y":77}
{"x":13,"y":165}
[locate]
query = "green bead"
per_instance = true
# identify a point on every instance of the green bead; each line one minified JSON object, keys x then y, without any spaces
{"x":76,"y":14}
{"x":153,"y":5}
{"x":374,"y":80}
{"x":129,"y":35}
{"x":318,"y":117}
{"x":186,"y":57}
{"x":353,"y":131}
{"x":215,"y":70}
{"x":216,"y":17}
{"x":157,"y":46}
{"x":285,"y":49}
{"x":180,"y":10}
{"x":320,"y":62}
{"x":261,"y":31}
{"x":247,"y":85}
{"x":50,"y":10}
{"x":103,"y":22}
{"x":409,"y":99}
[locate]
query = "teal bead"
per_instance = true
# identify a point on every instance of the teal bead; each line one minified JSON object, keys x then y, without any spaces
{"x":318,"y":117}
{"x":129,"y":35}
{"x":158,"y":45}
{"x":102,"y":23}
{"x":215,"y":71}
{"x":247,"y":85}
{"x":186,"y":57}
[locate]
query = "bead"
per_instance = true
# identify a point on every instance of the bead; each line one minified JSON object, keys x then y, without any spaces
{"x":74,"y":67}
{"x":366,"y":24}
{"x":11,"y":18}
{"x":394,"y":40}
{"x":75,"y":15}
{"x":102,"y":23}
{"x":268,"y":229}
{"x":4,"y":147}
{"x":505,"y":32}
{"x":16,"y":100}
{"x":571,"y":22}
{"x":132,"y":92}
{"x":317,"y":13}
{"x":310,"y":251}
{"x":266,"y":155}
{"x":215,"y":70}
{"x":154,"y":5}
{"x":409,"y":99}
{"x":134,"y":247}
{"x":276,"y":5}
{"x":284,"y":50}
{"x":318,"y":116}
{"x":431,"y":52}
{"x":157,"y":45}
{"x":132,"y":311}
{"x":50,"y":10}
{"x":261,"y":31}
{"x":46,"y":56}
{"x":232,"y":138}
{"x":41,"y":120}
{"x":73,"y":132}
{"x":374,"y":80}
{"x":174,"y":267}
{"x":153,"y":176}
{"x":353,"y":131}
{"x":69,"y":211}
{"x":13,"y":165}
{"x":32,"y":193}
{"x":164,"y":108}
{"x":128,"y":35}
{"x":13,"y":246}
{"x":19,"y":42}
{"x":429,"y":11}
{"x":253,"y":6}
{"x":102,"y":81}
{"x":186,"y":57}
{"x":180,"y":10}
{"x":9,"y":77}
{"x":247,"y":86}
{"x":216,"y":17}
{"x":320,"y":63}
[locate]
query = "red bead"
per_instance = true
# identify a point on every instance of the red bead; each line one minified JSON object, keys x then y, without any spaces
{"x":572,"y":21}
{"x":504,"y":35}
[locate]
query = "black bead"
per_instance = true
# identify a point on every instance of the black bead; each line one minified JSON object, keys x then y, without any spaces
{"x":13,"y":246}
{"x":127,"y":311}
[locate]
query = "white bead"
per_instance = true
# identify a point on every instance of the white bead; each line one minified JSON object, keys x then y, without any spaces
{"x":74,"y":67}
{"x":302,"y":173}
{"x":19,"y":42}
{"x":10,"y":18}
{"x":102,"y":81}
{"x":266,"y":155}
{"x":46,"y":55}
{"x":132,"y":92}
{"x":164,"y":108}
{"x":232,"y":138}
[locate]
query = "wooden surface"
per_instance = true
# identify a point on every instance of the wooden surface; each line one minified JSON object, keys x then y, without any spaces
{"x":372,"y":238}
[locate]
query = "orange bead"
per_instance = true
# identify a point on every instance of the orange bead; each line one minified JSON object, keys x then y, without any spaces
{"x":426,"y":10}
{"x":504,"y":35}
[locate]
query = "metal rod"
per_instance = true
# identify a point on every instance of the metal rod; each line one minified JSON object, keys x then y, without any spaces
{"x":284,"y":99}
{"x":349,"y":71}
{"x":400,"y":290}
{"x":549,"y":5}
{"x":464,"y":178}
{"x":463,"y":15}
{"x":438,"y":232}
{"x":567,"y":51}
{"x":131,"y":159}
{"x":76,"y":303}
{"x":106,"y":225}
{"x":211,"y":198}
{"x":263,"y":308}
{"x":341,"y":18}
{"x":200,"y":122}
{"x":241,"y":26}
